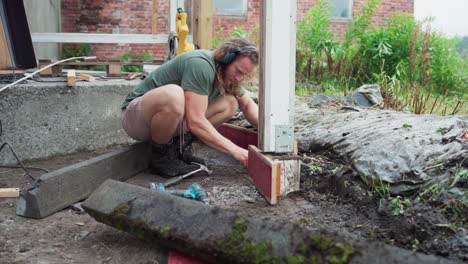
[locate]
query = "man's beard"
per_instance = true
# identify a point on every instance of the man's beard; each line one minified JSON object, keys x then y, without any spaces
{"x":233,"y":87}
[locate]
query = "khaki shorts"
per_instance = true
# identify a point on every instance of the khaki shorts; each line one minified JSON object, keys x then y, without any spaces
{"x":134,"y":123}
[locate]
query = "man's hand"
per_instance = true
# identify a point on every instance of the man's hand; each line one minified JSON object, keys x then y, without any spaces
{"x":195,"y":109}
{"x":242,"y":155}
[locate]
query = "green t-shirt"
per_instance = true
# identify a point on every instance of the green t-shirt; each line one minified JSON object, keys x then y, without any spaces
{"x":193,"y":71}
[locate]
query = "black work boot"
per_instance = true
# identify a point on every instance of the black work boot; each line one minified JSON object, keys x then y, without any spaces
{"x":185,"y":152}
{"x":165,"y":161}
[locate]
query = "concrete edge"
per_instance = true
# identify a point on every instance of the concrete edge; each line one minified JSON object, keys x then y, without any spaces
{"x":59,"y":189}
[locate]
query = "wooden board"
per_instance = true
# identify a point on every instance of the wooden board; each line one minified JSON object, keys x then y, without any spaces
{"x":71,"y":78}
{"x":265,"y":174}
{"x":9,"y":192}
{"x":86,"y":77}
{"x":8,"y":72}
{"x":240,"y":136}
{"x":5,"y":59}
{"x":174,"y":257}
{"x":202,"y":23}
{"x":155,"y":17}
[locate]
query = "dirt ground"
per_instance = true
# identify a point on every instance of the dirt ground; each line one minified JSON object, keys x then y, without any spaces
{"x":331,"y":197}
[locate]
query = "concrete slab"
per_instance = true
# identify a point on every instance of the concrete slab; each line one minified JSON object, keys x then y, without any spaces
{"x":47,"y":118}
{"x":59,"y":189}
{"x":218,"y":235}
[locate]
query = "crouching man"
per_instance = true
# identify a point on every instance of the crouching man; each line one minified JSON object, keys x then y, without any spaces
{"x":189,"y":96}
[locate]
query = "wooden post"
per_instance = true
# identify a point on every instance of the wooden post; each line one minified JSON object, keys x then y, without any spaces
{"x":202,"y":23}
{"x":155,"y":17}
{"x":172,"y":15}
{"x":5,"y":59}
{"x":277,"y":75}
{"x":113,"y":69}
{"x":194,"y":21}
{"x":276,"y":175}
{"x":71,"y":78}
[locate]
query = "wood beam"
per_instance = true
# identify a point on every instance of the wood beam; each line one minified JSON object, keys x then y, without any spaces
{"x":71,"y":78}
{"x":202,"y":23}
{"x":5,"y":59}
{"x":9,"y":192}
{"x":100,"y":38}
{"x":155,"y":17}
{"x":277,"y":76}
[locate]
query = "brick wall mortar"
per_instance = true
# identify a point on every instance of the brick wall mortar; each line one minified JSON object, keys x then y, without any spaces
{"x":135,"y":17}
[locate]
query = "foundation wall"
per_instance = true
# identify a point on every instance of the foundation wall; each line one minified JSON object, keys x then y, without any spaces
{"x":41,"y":120}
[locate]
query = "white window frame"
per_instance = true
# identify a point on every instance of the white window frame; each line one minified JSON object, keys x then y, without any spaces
{"x":244,"y":10}
{"x":351,"y":4}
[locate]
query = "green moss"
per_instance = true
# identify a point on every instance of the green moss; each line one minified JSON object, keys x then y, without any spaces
{"x":239,"y":247}
{"x":340,"y":254}
{"x":165,"y":231}
{"x":294,"y":260}
{"x":137,"y":228}
{"x":320,"y":247}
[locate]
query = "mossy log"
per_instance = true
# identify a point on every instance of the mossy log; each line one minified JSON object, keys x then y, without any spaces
{"x":217,"y":235}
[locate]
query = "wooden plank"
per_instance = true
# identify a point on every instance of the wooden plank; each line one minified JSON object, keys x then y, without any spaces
{"x":71,"y":78}
{"x":9,"y":192}
{"x":203,"y":29}
{"x":174,"y":257}
{"x":114,"y":70}
{"x":99,"y":38}
{"x":155,"y":17}
{"x":274,"y":176}
{"x":86,"y":77}
{"x":290,"y":178}
{"x":5,"y":58}
{"x":12,"y":71}
{"x":93,"y":63}
{"x":240,"y":136}
{"x":194,"y":20}
{"x":132,"y":75}
{"x":265,"y":173}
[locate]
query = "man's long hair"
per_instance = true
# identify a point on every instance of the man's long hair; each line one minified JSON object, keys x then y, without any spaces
{"x":219,"y":56}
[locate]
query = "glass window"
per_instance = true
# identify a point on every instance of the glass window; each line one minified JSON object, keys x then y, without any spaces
{"x":341,"y":8}
{"x":230,"y":8}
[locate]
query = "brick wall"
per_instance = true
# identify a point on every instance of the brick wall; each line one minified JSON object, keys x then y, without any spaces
{"x":135,"y":17}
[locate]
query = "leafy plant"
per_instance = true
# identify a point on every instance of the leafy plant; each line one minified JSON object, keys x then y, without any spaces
{"x":418,"y":70}
{"x":237,"y":32}
{"x":133,"y":57}
{"x":70,"y":51}
{"x":381,"y":188}
{"x":399,"y":205}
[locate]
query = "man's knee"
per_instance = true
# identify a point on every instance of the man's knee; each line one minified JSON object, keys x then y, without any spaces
{"x":231,"y":104}
{"x":166,"y":99}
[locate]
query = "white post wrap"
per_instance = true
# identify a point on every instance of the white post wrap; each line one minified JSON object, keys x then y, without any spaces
{"x":277,"y":75}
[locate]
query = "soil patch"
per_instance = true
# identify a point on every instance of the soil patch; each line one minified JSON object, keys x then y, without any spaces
{"x":331,"y":197}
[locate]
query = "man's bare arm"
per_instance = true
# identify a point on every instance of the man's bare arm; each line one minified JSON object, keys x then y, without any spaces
{"x":249,"y":108}
{"x":195,"y":109}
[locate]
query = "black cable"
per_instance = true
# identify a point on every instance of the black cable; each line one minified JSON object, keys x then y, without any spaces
{"x":16,"y":157}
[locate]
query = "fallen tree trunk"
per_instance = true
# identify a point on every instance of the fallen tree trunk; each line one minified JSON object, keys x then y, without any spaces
{"x":225,"y":236}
